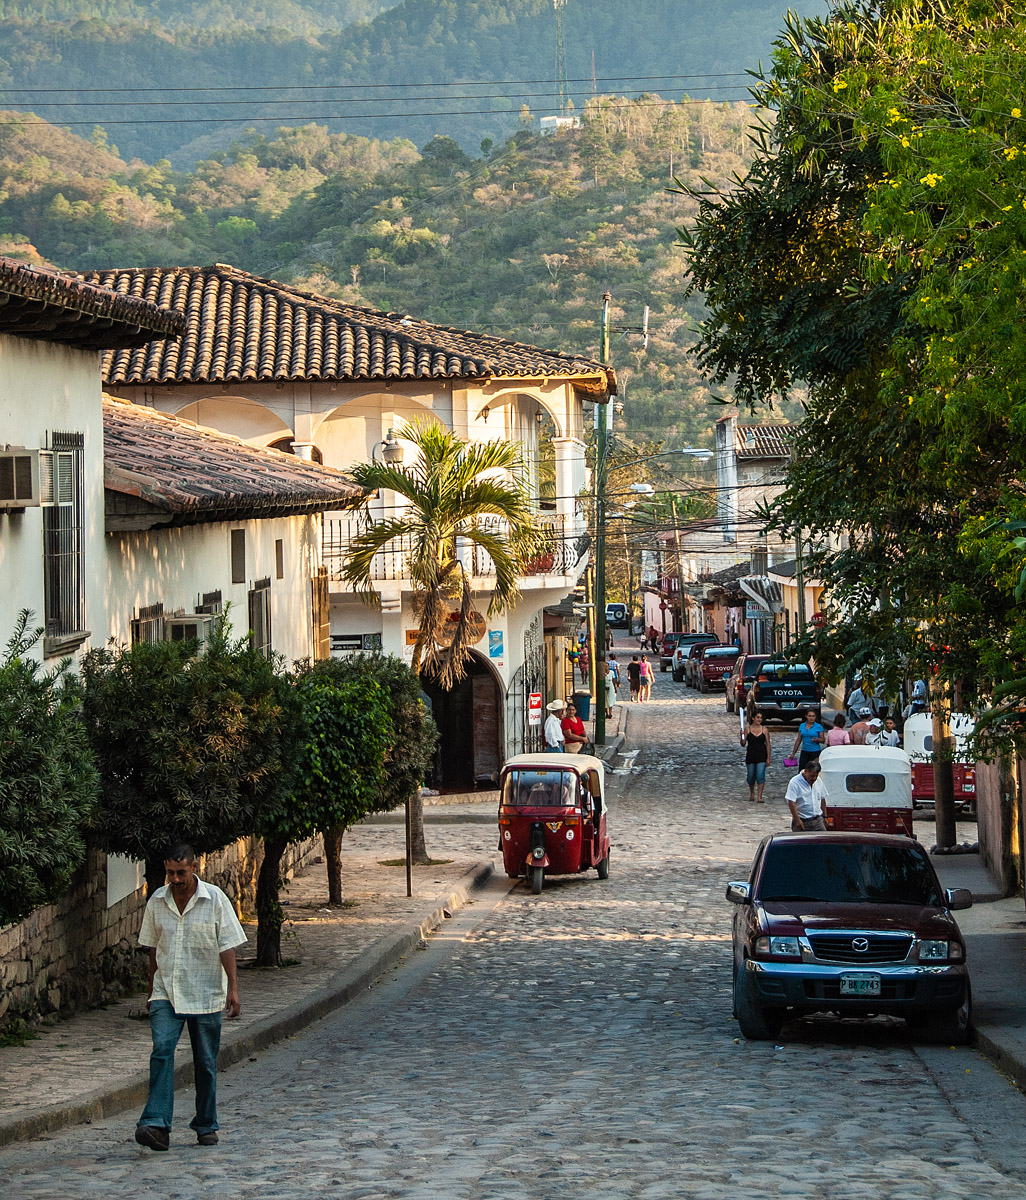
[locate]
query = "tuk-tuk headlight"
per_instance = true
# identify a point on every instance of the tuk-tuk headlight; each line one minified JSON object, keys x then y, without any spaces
{"x":938,"y":950}
{"x":779,"y":947}
{"x":538,"y":852}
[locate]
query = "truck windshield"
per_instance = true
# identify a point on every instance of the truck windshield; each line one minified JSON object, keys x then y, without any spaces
{"x":534,"y":788}
{"x":847,"y":874}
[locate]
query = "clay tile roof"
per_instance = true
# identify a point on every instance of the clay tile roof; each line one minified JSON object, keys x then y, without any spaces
{"x":242,"y":328}
{"x":198,"y":474}
{"x":764,"y":441}
{"x":37,"y":302}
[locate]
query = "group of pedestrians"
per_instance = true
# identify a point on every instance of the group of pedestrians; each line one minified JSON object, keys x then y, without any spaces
{"x":805,"y":794}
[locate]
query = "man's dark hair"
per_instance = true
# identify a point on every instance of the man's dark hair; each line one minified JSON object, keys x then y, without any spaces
{"x":180,"y":852}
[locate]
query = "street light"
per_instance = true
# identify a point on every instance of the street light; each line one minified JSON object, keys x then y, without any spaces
{"x":391,"y":450}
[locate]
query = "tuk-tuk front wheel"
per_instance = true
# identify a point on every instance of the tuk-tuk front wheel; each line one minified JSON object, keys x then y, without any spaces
{"x":603,"y":867}
{"x":537,"y":875}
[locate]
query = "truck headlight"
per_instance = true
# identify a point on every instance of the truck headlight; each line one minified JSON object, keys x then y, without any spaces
{"x":778,"y":947}
{"x":934,"y":950}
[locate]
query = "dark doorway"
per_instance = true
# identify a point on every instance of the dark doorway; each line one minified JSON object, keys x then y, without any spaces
{"x":467,"y":716}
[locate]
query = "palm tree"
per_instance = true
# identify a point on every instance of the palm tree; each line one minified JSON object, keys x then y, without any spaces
{"x":457,"y":495}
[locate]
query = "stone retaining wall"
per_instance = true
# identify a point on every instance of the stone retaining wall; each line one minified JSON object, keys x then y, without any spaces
{"x":79,"y":953}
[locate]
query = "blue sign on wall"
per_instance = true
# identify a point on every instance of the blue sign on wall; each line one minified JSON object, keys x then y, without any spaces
{"x":495,"y":643}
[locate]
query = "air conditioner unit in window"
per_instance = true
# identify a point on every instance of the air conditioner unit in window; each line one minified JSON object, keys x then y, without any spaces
{"x":20,"y":478}
{"x":181,"y":629}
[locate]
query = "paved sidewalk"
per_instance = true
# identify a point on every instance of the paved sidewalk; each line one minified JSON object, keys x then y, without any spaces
{"x":995,"y":933}
{"x":95,"y":1064}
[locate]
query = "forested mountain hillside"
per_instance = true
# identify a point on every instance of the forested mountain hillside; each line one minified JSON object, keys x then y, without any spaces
{"x":269,"y":62}
{"x":521,"y":243}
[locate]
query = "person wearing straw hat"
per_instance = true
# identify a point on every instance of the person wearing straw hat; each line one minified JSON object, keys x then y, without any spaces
{"x":554,"y":726}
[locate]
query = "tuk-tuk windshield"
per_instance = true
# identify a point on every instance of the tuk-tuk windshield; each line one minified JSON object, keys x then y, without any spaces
{"x":535,"y":787}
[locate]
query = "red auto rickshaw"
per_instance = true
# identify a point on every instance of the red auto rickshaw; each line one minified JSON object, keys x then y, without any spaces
{"x":552,"y":817}
{"x":918,"y":736}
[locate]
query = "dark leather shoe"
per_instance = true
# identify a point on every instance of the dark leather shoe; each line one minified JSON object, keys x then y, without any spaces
{"x":153,"y":1136}
{"x":207,"y":1139}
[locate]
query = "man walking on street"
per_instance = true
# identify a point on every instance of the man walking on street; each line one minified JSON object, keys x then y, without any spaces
{"x":191,"y":931}
{"x":806,"y":798}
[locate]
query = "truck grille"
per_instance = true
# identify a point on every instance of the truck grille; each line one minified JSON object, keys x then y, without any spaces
{"x":842,"y":947}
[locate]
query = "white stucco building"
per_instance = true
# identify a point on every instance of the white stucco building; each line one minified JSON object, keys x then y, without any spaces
{"x":53,"y":328}
{"x":280,"y":368}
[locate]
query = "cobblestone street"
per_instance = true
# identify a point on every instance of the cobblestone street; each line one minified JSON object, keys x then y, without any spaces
{"x":580,"y":1043}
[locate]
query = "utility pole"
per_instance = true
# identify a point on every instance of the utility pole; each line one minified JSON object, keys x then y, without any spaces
{"x":599,"y":595}
{"x":943,"y":757}
{"x":799,"y":578}
{"x":680,"y":565}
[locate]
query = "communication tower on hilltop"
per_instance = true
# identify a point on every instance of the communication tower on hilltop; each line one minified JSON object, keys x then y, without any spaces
{"x":559,"y":5}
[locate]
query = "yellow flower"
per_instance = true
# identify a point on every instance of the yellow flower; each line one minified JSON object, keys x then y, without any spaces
{"x":1011,"y":152}
{"x":839,"y":84}
{"x":932,"y":179}
{"x":1017,"y":113}
{"x":905,"y":142}
{"x":894,"y":115}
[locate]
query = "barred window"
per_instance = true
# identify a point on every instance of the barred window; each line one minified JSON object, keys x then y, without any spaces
{"x":64,"y":542}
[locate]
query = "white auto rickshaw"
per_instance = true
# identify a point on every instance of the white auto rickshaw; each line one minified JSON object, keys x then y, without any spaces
{"x":918,"y":739}
{"x":869,"y":789}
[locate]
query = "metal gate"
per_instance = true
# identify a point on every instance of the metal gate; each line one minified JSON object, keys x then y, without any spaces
{"x":522,"y":738}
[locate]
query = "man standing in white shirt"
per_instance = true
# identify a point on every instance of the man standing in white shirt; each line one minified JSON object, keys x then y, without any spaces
{"x":806,"y":798}
{"x":554,"y":727}
{"x":191,"y":931}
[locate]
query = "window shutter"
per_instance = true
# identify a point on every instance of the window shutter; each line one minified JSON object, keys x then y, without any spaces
{"x":321,"y":614}
{"x":238,"y":556}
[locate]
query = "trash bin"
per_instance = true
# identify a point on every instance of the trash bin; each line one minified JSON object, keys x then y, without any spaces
{"x":582,"y":702}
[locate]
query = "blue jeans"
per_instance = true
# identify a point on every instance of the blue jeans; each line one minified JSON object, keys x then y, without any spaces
{"x":756,"y":773}
{"x":205,"y":1036}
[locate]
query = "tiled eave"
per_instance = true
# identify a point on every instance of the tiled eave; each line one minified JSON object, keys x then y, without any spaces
{"x":160,"y":470}
{"x":47,"y":305}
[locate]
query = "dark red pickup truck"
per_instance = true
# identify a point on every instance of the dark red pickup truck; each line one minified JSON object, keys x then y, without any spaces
{"x":714,"y":665}
{"x":855,"y":924}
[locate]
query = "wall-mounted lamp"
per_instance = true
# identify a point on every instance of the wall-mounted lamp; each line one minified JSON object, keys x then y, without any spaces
{"x":391,"y":449}
{"x":539,"y":416}
{"x":484,"y":414}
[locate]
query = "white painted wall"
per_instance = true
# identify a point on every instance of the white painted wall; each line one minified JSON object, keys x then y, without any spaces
{"x":174,"y":566}
{"x":46,"y":387}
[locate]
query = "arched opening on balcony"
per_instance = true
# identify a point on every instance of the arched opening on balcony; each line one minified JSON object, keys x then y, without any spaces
{"x":469,"y":720}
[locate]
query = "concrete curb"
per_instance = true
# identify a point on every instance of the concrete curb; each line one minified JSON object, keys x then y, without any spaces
{"x":988,"y":1040}
{"x":355,"y":978}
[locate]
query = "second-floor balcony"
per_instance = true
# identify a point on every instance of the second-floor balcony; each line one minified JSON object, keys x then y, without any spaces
{"x":562,"y":549}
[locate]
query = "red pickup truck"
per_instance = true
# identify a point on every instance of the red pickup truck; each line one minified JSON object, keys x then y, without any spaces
{"x":714,"y":665}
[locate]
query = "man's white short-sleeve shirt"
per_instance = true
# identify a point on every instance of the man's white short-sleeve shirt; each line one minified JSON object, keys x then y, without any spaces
{"x":809,"y":798}
{"x":189,"y":945}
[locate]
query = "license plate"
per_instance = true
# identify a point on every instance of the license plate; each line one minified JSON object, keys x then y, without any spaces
{"x":788,"y":704}
{"x":860,"y":985}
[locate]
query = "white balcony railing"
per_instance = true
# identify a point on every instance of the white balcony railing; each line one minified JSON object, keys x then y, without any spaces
{"x":563,"y":545}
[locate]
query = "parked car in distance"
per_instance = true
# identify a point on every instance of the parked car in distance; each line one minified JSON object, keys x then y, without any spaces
{"x":667,"y":647}
{"x":786,"y":690}
{"x":854,"y":924}
{"x":713,"y":665}
{"x":740,"y":680}
{"x":618,"y":616}
{"x":685,"y":649}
